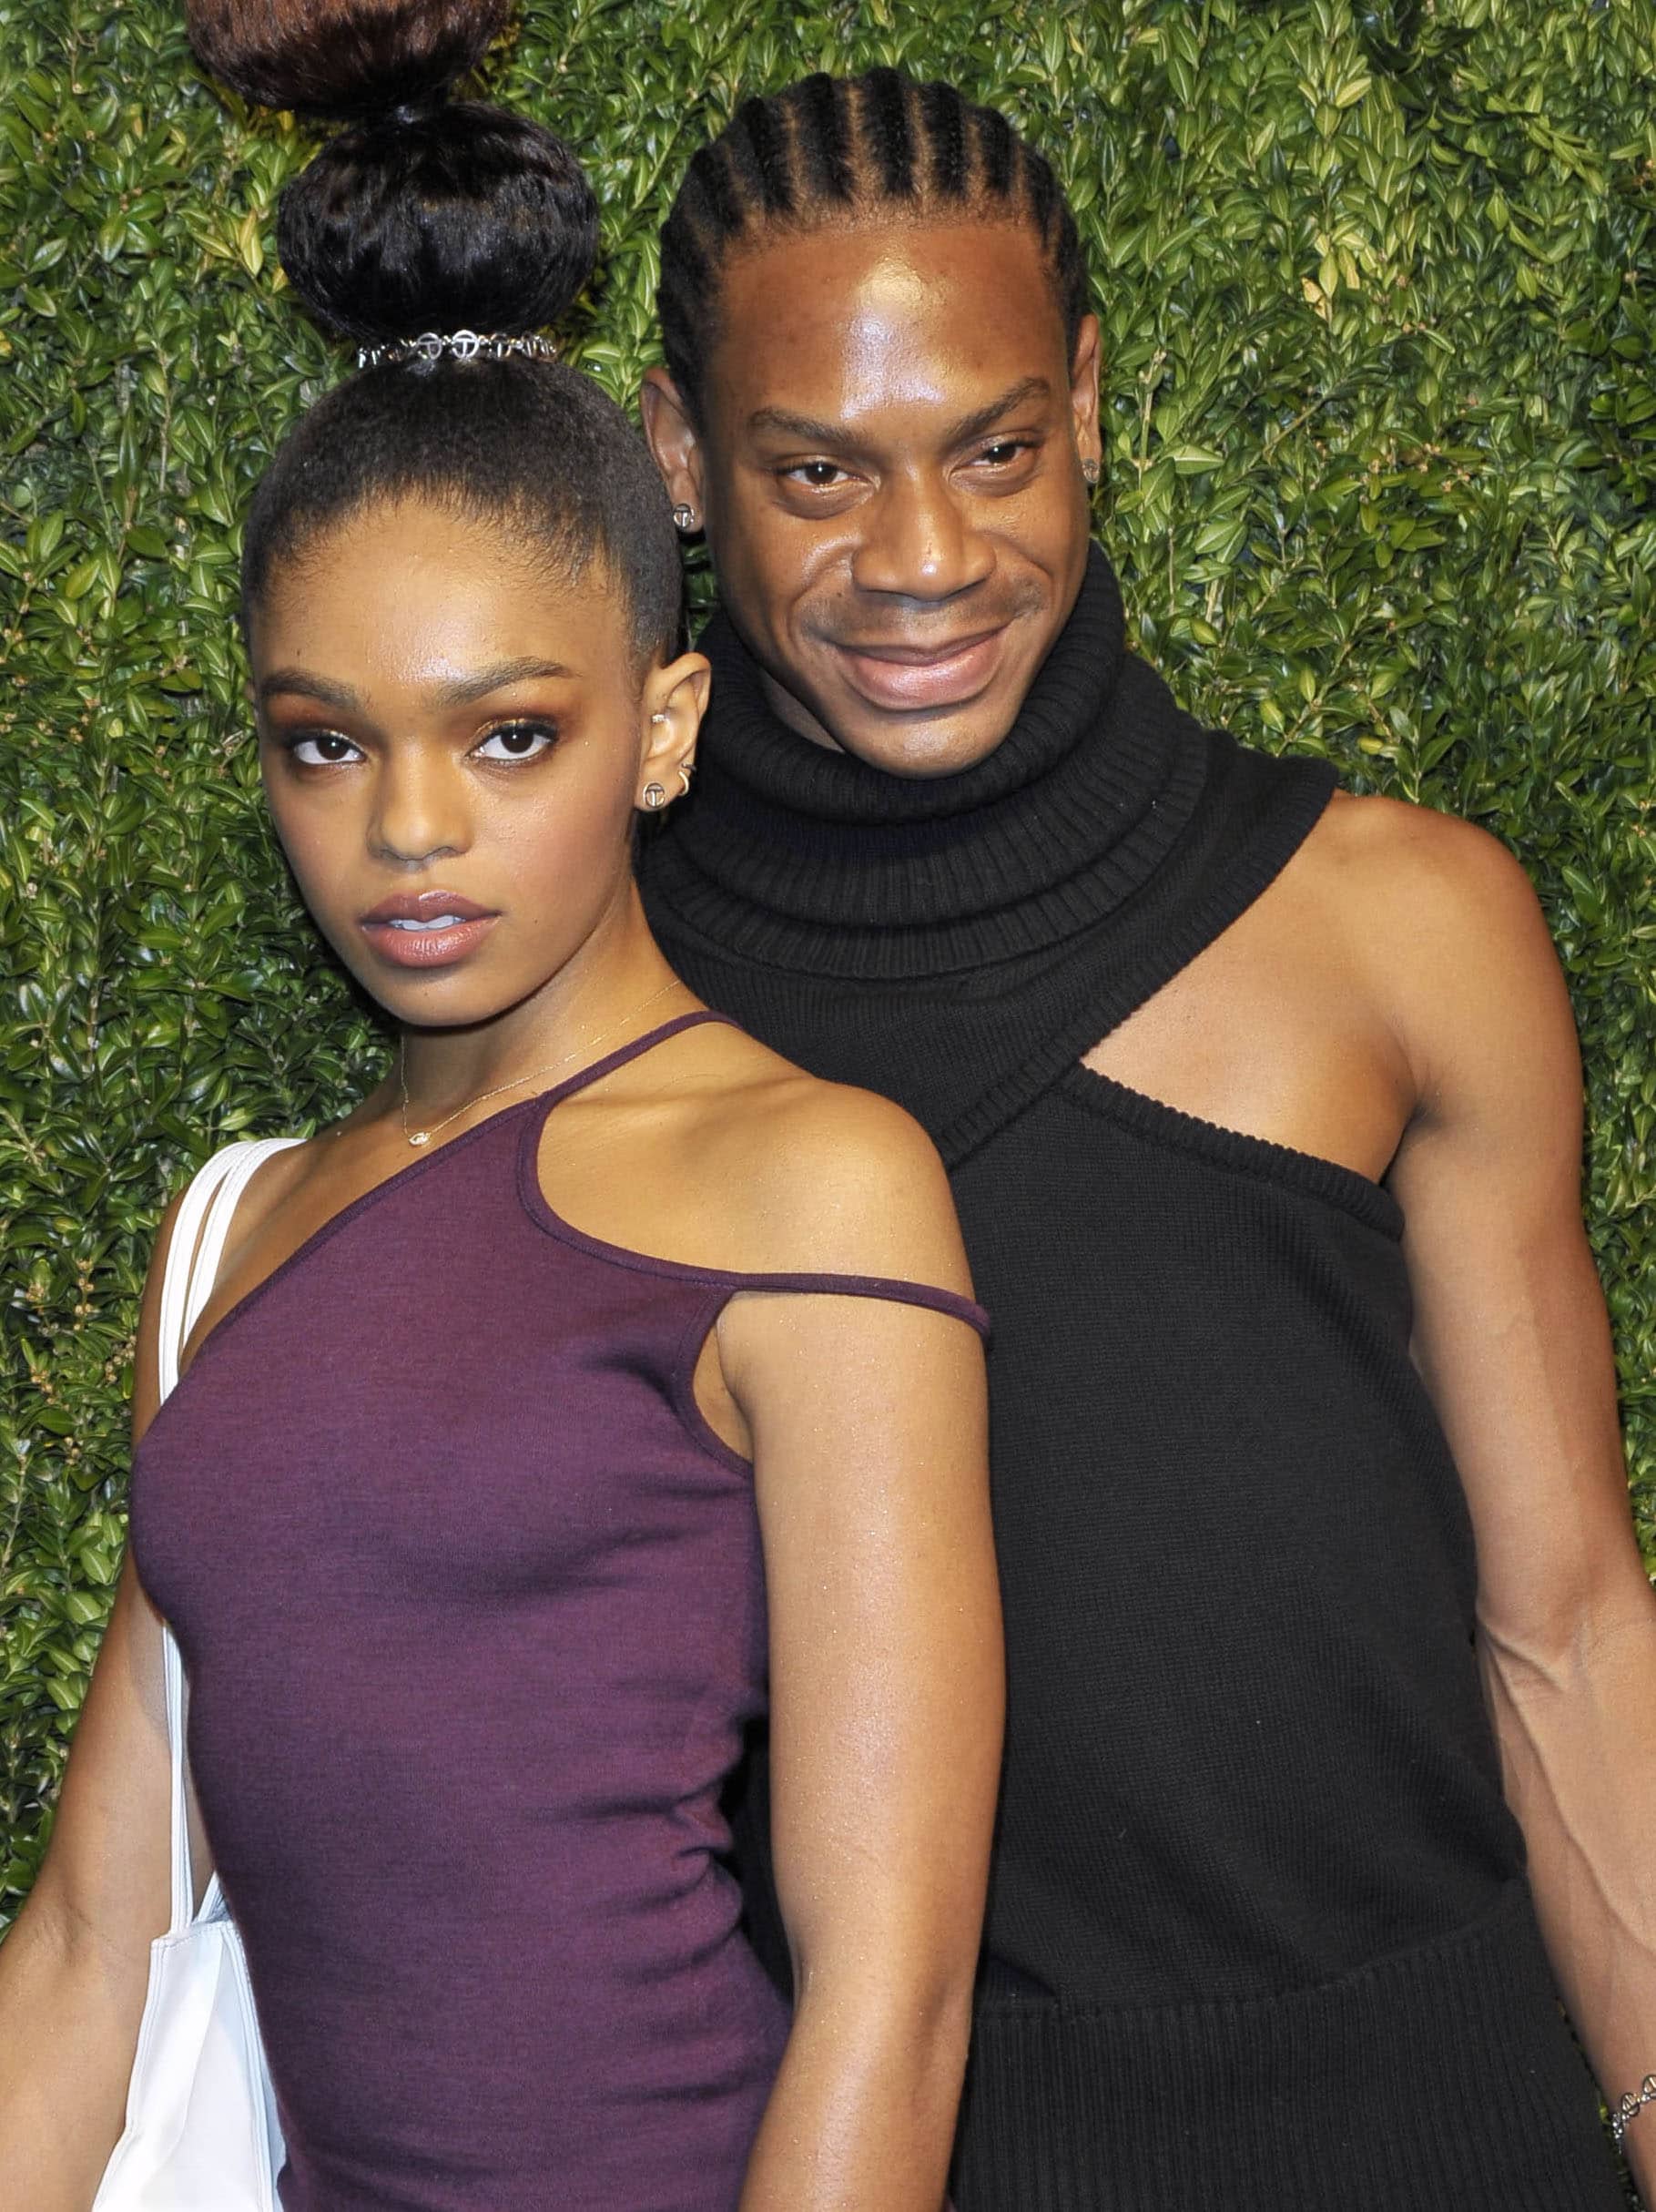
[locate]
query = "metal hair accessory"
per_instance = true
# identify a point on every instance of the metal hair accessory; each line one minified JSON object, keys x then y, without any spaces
{"x":458,"y":345}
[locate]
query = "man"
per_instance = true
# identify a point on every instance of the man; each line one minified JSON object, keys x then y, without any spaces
{"x":1262,"y":1109}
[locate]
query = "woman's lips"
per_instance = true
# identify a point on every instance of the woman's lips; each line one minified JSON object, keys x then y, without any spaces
{"x":906,"y":678}
{"x":436,"y":941}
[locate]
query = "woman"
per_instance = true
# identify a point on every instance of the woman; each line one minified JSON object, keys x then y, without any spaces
{"x":598,"y":1384}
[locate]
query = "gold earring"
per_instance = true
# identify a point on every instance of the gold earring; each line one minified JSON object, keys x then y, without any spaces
{"x":655,"y":795}
{"x":683,"y":776}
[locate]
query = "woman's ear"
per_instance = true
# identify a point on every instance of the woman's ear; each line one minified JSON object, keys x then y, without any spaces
{"x":670,"y":432}
{"x":675,"y":700}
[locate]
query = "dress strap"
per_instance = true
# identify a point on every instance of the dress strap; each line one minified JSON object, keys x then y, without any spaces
{"x":889,"y":1286}
{"x":634,"y":1050}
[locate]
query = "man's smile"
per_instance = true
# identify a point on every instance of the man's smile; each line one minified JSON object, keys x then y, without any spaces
{"x":906,"y":677}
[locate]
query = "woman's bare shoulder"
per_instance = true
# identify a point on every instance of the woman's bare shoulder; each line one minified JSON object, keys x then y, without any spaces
{"x":823,"y":1177}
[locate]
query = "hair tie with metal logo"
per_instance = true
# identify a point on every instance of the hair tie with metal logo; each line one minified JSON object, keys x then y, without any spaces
{"x":458,"y":345}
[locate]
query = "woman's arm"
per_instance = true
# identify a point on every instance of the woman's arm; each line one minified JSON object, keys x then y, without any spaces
{"x":74,"y":1967}
{"x":868,"y":1422}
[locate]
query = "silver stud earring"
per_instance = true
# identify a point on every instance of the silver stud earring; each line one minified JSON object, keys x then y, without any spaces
{"x":684,"y":518}
{"x":658,"y":717}
{"x":1089,"y":470}
{"x":655,"y":796}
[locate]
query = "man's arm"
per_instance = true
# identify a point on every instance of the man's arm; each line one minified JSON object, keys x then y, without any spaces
{"x":1512,"y":1340}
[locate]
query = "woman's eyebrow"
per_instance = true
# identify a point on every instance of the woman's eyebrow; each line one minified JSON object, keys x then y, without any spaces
{"x":459,"y":691}
{"x":463,"y":690}
{"x":301,"y":682}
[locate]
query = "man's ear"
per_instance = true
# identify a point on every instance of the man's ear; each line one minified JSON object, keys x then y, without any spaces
{"x":670,"y":433}
{"x":1084,"y":390}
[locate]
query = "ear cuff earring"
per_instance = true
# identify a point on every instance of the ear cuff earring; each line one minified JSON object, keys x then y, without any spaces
{"x":684,"y":518}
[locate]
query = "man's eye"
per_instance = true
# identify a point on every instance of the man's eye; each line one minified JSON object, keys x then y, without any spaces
{"x":819,"y":476}
{"x":518,"y":741}
{"x":323,"y":748}
{"x":1002,"y":450}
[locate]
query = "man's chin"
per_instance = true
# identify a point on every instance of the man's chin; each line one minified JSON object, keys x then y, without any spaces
{"x":945,"y":741}
{"x":920,"y":746}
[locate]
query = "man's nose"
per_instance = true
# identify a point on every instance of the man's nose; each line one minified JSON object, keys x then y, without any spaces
{"x":919,"y":542}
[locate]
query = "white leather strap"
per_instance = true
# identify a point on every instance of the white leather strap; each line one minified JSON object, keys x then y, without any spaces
{"x":200,"y":1228}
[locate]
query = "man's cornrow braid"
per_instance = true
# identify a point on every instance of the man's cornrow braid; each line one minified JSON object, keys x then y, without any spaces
{"x":827,"y":146}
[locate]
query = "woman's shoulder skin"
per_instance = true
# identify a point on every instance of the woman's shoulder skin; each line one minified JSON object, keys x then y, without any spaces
{"x":714,"y":1150}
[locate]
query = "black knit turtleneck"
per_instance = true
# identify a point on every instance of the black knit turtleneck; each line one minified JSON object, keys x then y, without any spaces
{"x":972,"y":930}
{"x":1258,"y":1938}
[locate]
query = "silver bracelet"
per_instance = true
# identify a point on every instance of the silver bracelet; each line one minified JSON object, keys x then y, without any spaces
{"x":1626,"y":2109}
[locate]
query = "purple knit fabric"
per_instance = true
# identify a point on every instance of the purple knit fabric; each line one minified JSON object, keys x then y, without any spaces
{"x":471,"y":1603}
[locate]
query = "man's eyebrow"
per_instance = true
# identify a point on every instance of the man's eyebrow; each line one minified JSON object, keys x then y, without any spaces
{"x":462,"y":692}
{"x":810,"y":431}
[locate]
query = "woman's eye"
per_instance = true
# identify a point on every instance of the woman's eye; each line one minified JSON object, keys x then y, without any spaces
{"x":323,"y":748}
{"x":518,"y":741}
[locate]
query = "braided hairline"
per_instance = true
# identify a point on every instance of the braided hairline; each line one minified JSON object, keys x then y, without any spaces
{"x":829,"y":151}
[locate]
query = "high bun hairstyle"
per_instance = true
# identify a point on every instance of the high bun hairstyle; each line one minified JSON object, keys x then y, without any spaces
{"x":434,"y":214}
{"x":834,"y":151}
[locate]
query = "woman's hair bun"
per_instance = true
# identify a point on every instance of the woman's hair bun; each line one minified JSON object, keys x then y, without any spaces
{"x":465,"y":217}
{"x":343,"y":58}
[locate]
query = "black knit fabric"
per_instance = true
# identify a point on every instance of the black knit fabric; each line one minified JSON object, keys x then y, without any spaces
{"x":1258,"y":1937}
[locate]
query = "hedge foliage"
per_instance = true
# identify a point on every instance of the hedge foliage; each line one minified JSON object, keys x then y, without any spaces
{"x":1377,"y":294}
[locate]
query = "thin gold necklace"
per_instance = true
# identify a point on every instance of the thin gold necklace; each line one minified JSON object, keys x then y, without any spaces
{"x":424,"y":1136}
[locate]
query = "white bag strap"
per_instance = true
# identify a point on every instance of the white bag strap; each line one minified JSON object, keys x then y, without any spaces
{"x":200,"y":1228}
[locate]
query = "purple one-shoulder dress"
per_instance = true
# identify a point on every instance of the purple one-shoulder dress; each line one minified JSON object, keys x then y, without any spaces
{"x":471,"y":1603}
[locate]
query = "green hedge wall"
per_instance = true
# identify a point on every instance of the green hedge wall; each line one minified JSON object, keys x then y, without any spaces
{"x":1377,"y":287}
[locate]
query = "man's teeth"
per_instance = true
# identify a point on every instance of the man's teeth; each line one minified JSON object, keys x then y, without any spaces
{"x":438,"y":922}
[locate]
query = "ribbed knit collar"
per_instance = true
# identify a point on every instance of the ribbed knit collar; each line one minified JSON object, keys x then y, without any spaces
{"x":810,"y":859}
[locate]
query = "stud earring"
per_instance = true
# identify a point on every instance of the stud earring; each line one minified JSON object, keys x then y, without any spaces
{"x":655,"y":796}
{"x":1090,"y":471}
{"x":684,"y":518}
{"x":658,"y":717}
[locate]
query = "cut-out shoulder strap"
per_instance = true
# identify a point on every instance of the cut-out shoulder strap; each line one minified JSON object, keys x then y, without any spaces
{"x":891,"y":1287}
{"x":635,"y":1049}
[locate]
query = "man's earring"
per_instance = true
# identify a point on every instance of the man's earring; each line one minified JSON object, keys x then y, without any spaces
{"x":684,"y":518}
{"x":1090,"y":471}
{"x":684,"y":768}
{"x":655,"y":796}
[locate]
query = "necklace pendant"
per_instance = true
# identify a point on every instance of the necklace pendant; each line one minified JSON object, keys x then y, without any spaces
{"x":421,"y":1136}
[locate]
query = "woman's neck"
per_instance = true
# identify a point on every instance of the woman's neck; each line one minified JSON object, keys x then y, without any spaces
{"x":596,"y":1001}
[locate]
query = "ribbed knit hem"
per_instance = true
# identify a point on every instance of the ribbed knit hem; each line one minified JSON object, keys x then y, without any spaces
{"x":1440,"y":2080}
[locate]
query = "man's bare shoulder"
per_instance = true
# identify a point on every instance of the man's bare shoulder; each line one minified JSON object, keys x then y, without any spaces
{"x":1388,"y":854}
{"x":1443,"y":922}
